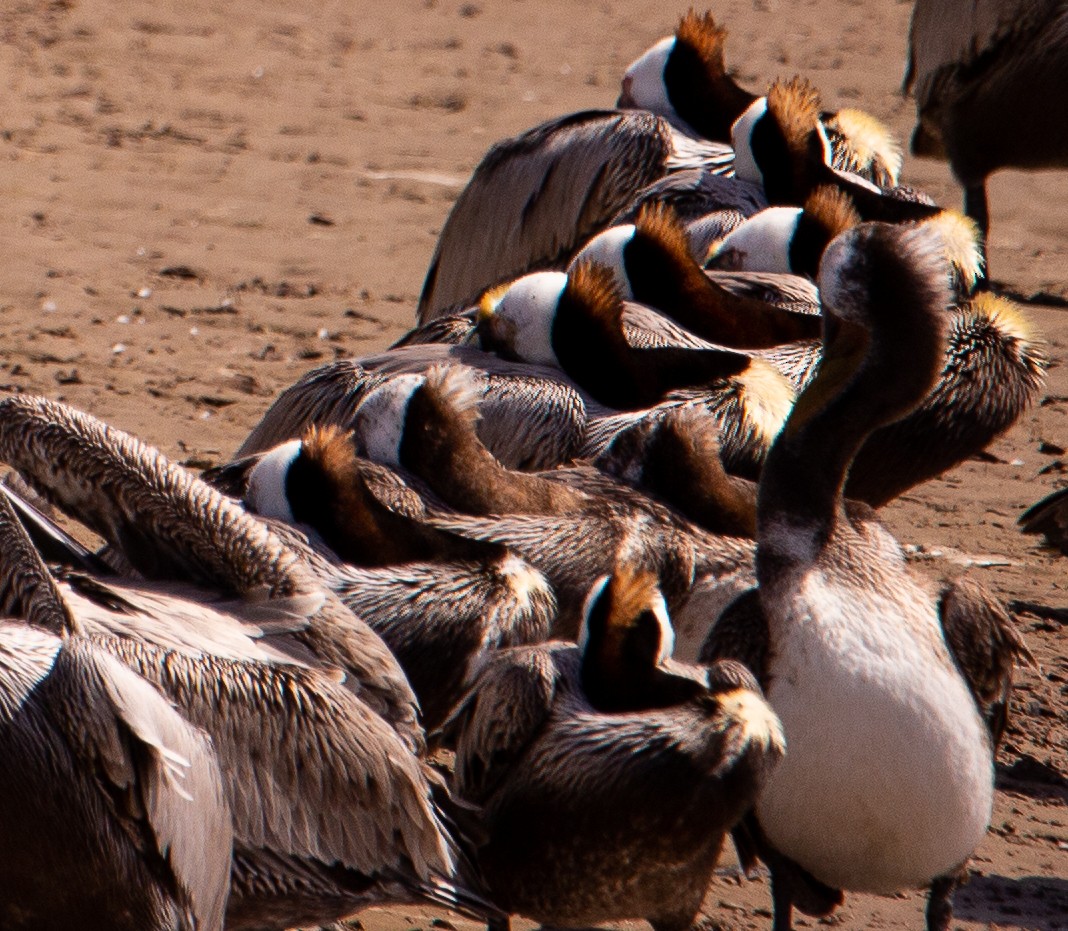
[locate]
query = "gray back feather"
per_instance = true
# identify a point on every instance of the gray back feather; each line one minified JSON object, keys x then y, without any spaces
{"x":536,"y":197}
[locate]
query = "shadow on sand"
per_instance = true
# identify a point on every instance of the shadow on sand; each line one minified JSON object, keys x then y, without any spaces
{"x":1037,"y":903}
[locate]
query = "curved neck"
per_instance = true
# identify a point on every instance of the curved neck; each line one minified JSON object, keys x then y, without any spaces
{"x":708,"y":100}
{"x":694,"y":482}
{"x":677,"y":286}
{"x":863,"y":382}
{"x":592,"y":349}
{"x":616,"y":682}
{"x":362,"y":530}
{"x":441,"y":447}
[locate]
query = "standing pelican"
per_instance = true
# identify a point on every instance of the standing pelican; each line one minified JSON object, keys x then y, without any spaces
{"x":882,"y":684}
{"x":989,"y":77}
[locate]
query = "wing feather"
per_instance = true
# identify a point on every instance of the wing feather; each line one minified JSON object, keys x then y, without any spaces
{"x":952,"y":34}
{"x":144,"y":745}
{"x":522,"y":680}
{"x":309,"y":770}
{"x":536,"y":197}
{"x":986,"y":645}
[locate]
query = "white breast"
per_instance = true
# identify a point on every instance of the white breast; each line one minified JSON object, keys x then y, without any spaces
{"x":888,"y":781}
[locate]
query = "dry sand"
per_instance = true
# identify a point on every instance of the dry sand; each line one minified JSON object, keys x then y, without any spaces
{"x":204,"y":200}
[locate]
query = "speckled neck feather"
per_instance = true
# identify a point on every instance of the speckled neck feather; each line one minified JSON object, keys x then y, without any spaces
{"x":885,"y":293}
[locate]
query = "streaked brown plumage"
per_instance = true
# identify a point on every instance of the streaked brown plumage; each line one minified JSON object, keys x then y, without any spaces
{"x":331,"y":809}
{"x":835,"y":590}
{"x":571,"y":531}
{"x":114,"y":814}
{"x":440,"y":601}
{"x":532,"y":418}
{"x":609,"y":785}
{"x":534,"y":198}
{"x":654,"y":266}
{"x":145,"y":506}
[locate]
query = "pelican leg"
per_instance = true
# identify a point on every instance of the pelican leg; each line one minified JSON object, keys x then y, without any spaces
{"x":975,"y":205}
{"x":940,"y":899}
{"x":782,"y":902}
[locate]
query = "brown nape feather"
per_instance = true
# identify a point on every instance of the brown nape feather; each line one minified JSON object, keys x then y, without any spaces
{"x":659,"y":220}
{"x":590,"y":345}
{"x":354,"y":522}
{"x":701,"y":91}
{"x":684,"y":467}
{"x":795,"y":107}
{"x":828,"y":211}
{"x":664,"y":275}
{"x":629,"y":592}
{"x":832,"y":209}
{"x":596,"y":290}
{"x":699,"y":32}
{"x":623,"y":665}
{"x":440,"y":445}
{"x":676,"y":458}
{"x":788,"y":144}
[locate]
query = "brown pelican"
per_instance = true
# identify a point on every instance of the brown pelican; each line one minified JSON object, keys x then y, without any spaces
{"x":578,"y":322}
{"x":889,"y":779}
{"x":992,"y":371}
{"x":332,"y":811}
{"x":611,"y":781}
{"x":652,"y":264}
{"x":534,"y":198}
{"x":988,"y":77}
{"x":531,"y":417}
{"x":779,"y":143}
{"x":114,"y":814}
{"x":684,"y":78}
{"x":572,"y":530}
{"x":440,"y":601}
{"x":792,"y":239}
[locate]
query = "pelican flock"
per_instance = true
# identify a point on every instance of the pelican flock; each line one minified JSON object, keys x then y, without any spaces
{"x":528,"y":614}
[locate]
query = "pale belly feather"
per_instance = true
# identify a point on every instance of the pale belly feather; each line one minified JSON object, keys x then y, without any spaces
{"x":888,"y":776}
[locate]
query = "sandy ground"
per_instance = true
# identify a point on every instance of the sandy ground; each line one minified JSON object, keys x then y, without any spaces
{"x":202,"y":201}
